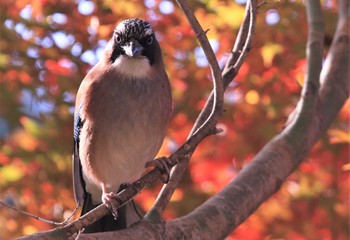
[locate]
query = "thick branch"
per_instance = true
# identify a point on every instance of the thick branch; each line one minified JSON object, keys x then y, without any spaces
{"x":269,"y":169}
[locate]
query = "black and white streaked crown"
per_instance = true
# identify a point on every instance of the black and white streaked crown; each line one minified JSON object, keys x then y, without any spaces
{"x":133,"y":27}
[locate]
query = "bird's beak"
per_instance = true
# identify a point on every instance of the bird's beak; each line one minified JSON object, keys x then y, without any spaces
{"x":133,"y":48}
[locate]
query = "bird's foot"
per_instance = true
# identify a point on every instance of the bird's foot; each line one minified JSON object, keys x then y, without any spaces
{"x":109,"y":199}
{"x":162,"y":164}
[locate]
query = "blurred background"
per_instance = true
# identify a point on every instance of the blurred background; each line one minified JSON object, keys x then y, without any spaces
{"x":48,"y":46}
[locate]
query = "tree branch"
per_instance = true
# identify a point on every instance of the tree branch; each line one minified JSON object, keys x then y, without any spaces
{"x":302,"y":116}
{"x":214,"y":111}
{"x":269,"y":169}
{"x":242,"y":45}
{"x":259,"y":180}
{"x":239,"y":52}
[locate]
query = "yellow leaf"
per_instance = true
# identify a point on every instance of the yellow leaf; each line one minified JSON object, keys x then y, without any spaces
{"x":226,"y":13}
{"x":4,"y":59}
{"x":104,"y":31}
{"x":30,"y":125}
{"x":177,"y":196}
{"x":124,"y":8}
{"x":346,"y":167}
{"x":24,"y":140}
{"x":269,"y":51}
{"x":339,"y":136}
{"x":29,"y":229}
{"x":10,"y":173}
{"x":252,"y":97}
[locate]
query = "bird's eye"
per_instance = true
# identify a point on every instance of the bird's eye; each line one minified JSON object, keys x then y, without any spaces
{"x":149,"y":40}
{"x":118,"y":39}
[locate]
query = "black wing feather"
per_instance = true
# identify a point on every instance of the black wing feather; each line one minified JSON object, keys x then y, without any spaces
{"x":78,"y":180}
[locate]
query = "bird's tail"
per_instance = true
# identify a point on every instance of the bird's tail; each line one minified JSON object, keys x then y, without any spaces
{"x":127,"y":215}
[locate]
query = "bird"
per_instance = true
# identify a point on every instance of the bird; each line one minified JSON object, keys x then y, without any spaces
{"x":122,"y":111}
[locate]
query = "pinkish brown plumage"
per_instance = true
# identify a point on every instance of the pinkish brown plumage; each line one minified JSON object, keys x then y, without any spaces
{"x":122,"y":112}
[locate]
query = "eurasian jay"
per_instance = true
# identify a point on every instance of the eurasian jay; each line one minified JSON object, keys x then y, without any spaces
{"x":121,"y":116}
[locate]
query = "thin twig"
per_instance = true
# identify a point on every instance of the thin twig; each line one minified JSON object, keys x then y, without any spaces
{"x":40,"y":218}
{"x":273,"y":2}
{"x":246,"y":46}
{"x":215,"y":109}
{"x":213,"y":63}
{"x":242,"y":46}
{"x":242,"y":39}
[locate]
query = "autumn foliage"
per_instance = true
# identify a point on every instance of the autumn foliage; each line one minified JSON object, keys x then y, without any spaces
{"x":47,"y":47}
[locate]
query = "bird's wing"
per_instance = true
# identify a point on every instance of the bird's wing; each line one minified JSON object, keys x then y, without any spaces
{"x":128,"y":214}
{"x":78,"y":180}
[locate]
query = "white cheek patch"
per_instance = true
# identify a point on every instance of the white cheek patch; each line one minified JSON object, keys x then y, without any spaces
{"x":132,"y":67}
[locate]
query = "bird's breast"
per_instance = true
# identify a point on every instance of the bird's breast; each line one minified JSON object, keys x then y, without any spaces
{"x":125,"y":123}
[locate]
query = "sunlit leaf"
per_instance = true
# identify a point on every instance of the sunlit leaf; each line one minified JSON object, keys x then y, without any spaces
{"x":178,"y":195}
{"x":4,"y":60}
{"x":226,"y":13}
{"x":252,"y":97}
{"x":29,"y":229}
{"x":339,"y":136}
{"x":24,"y":140}
{"x":11,"y":224}
{"x":10,"y":173}
{"x":269,"y":51}
{"x":30,"y":125}
{"x":346,"y":167}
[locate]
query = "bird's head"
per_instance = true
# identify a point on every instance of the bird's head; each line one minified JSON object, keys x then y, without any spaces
{"x":133,"y":36}
{"x":135,"y":47}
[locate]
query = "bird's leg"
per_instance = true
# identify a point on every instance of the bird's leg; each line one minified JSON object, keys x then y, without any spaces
{"x":162,"y":164}
{"x":108,"y":200}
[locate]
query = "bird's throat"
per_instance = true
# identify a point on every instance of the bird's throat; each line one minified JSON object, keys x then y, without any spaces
{"x":132,"y":67}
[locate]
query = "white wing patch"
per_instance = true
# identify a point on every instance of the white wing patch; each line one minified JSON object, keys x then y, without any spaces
{"x":132,"y":67}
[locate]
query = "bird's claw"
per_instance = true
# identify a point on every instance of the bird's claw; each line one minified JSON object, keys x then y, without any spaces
{"x":109,"y":199}
{"x":162,"y":164}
